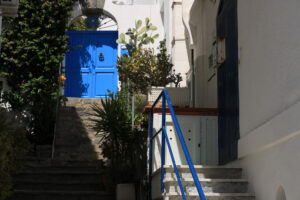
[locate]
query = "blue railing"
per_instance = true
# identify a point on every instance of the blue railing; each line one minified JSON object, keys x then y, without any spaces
{"x":165,"y":98}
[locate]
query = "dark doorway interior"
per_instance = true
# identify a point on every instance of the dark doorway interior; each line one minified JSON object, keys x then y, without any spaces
{"x":228,"y":93}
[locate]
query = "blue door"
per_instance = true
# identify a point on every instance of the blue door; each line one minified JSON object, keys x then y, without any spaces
{"x":91,"y":64}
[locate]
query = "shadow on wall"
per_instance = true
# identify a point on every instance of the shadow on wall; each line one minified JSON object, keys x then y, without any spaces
{"x":280,"y":195}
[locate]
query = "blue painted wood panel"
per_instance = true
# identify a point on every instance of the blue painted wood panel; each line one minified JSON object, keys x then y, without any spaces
{"x":88,"y":75}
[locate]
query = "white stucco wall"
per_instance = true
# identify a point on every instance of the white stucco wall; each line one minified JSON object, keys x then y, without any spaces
{"x":167,"y":16}
{"x":269,"y":60}
{"x":269,"y":86}
{"x":179,"y":48}
{"x":202,"y":24}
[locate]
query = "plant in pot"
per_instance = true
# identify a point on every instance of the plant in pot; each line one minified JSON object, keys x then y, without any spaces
{"x":123,"y":147}
{"x":144,"y":69}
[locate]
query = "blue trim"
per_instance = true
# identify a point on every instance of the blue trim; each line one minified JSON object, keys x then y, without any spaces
{"x":164,"y":95}
{"x":174,"y":164}
{"x":150,"y":155}
{"x":163,"y":148}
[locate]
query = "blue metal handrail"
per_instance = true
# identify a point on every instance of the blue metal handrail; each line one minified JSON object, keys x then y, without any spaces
{"x":165,"y":98}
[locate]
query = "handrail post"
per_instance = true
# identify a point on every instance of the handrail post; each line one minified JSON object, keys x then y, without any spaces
{"x":150,"y":155}
{"x":185,"y":150}
{"x":163,"y":124}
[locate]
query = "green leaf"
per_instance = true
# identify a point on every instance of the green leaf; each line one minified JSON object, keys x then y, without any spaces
{"x":142,"y":30}
{"x":138,"y":24}
{"x":122,"y":36}
{"x":153,"y":28}
{"x":155,"y":36}
{"x":119,"y":41}
{"x":147,"y":21}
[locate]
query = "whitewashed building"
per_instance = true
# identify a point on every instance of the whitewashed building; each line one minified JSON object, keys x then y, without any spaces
{"x":256,"y":89}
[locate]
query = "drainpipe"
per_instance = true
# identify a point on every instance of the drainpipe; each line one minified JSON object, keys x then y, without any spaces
{"x":193,"y":78}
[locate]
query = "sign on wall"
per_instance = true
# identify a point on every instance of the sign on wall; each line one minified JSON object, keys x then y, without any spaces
{"x":9,"y":7}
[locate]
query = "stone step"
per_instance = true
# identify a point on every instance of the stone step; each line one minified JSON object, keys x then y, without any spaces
{"x":64,"y":164}
{"x":208,"y":185}
{"x":213,"y":172}
{"x":49,"y":168}
{"x":210,"y":196}
{"x":75,"y":138}
{"x":61,"y":175}
{"x":60,"y":195}
{"x":43,"y":148}
{"x":32,"y":158}
{"x":83,"y":147}
{"x":78,"y":156}
{"x":82,"y":185}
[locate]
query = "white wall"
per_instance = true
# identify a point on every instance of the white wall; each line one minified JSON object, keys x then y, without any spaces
{"x":200,"y":134}
{"x":269,"y":86}
{"x":179,"y":48}
{"x":167,"y":16}
{"x":269,"y":60}
{"x":202,"y":24}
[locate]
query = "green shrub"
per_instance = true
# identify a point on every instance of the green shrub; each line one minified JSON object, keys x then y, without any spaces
{"x":31,"y":52}
{"x":13,"y":145}
{"x":124,"y":147}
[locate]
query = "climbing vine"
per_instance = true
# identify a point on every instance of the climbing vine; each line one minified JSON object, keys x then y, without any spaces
{"x":32,"y":49}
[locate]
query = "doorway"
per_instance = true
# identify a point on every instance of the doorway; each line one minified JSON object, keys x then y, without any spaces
{"x":91,"y":64}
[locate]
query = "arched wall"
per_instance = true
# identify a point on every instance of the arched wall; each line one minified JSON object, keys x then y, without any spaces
{"x":124,"y":15}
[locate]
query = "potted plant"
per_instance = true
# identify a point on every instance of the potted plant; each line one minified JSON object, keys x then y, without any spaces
{"x":124,"y":147}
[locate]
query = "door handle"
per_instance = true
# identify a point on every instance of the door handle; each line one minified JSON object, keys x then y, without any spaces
{"x":101,"y":56}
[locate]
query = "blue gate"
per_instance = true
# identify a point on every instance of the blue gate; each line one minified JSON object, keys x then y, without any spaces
{"x":91,"y":64}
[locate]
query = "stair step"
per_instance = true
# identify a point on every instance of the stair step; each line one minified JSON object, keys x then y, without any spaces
{"x":208,"y":185}
{"x":59,"y":185}
{"x":61,"y":169}
{"x":210,"y":196}
{"x":60,"y":176}
{"x":60,"y":195}
{"x":214,"y":172}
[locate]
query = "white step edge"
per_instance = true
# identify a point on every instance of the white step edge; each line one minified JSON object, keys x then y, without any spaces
{"x":184,"y":167}
{"x":201,"y":167}
{"x":211,"y":194}
{"x":169,"y":179}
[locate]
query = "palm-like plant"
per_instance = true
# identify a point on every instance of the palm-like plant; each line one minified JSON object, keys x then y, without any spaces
{"x":121,"y":145}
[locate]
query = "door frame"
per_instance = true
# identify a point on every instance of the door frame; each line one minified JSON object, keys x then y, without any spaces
{"x":114,"y":32}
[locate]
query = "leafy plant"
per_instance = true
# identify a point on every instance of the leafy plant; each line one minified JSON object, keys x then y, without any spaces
{"x":138,"y":69}
{"x":124,"y":147}
{"x":32,"y":50}
{"x":13,"y":145}
{"x":144,"y":69}
{"x":78,"y":25}
{"x":141,"y":35}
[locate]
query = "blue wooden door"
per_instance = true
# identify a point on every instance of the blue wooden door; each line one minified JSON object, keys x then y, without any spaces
{"x":91,"y":64}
